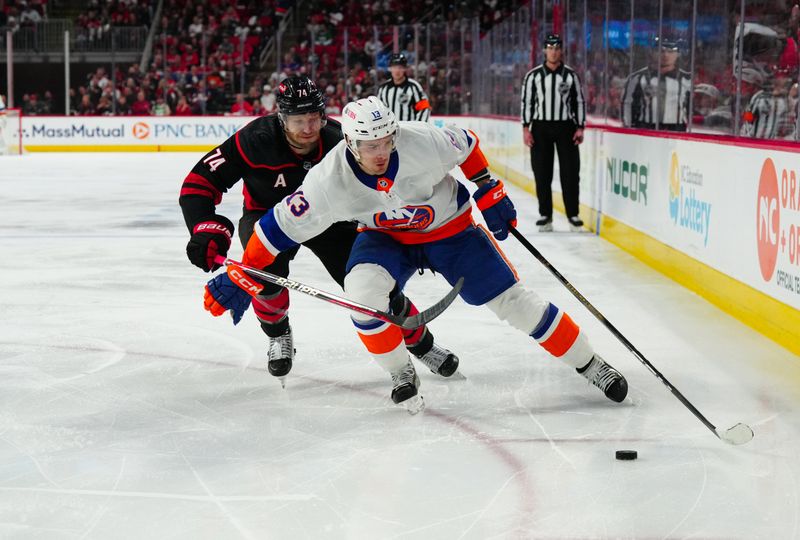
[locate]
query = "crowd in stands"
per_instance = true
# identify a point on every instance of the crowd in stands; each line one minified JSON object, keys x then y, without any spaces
{"x":198,"y":56}
{"x":15,"y":14}
{"x":202,"y":47}
{"x":101,"y":15}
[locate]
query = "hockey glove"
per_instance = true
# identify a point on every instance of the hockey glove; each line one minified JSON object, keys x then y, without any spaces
{"x":232,"y":291}
{"x":496,"y":207}
{"x":210,"y":237}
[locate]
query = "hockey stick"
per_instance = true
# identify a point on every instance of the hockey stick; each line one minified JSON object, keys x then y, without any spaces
{"x":738,"y":434}
{"x":413,"y":321}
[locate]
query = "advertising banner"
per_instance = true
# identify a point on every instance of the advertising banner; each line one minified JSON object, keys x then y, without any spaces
{"x":734,"y":209}
{"x":127,"y":133}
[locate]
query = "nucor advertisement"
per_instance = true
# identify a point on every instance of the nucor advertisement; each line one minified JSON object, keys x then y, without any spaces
{"x":735,"y":209}
{"x":125,"y":131}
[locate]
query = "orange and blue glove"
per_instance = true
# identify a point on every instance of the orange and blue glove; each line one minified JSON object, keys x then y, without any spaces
{"x":232,"y":291}
{"x":496,"y":207}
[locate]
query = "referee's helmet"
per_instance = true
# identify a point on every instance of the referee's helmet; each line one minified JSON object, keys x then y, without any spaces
{"x":398,"y":59}
{"x":553,"y":39}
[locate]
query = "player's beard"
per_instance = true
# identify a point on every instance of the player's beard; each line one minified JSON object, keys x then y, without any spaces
{"x":300,"y":144}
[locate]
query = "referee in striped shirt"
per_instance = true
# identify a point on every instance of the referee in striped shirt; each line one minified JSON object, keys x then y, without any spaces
{"x":657,"y":96}
{"x":554,"y":114}
{"x":404,"y":96}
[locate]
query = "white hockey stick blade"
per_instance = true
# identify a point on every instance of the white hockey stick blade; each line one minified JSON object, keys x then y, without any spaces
{"x":738,"y":434}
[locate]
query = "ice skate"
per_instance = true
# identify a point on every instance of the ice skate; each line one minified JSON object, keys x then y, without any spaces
{"x":280,"y":356}
{"x":545,"y":224}
{"x":575,"y":224}
{"x":606,"y":378}
{"x":439,"y":360}
{"x":404,"y":392}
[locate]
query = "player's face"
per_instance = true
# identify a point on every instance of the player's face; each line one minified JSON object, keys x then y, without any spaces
{"x":303,"y":129}
{"x":374,"y":155}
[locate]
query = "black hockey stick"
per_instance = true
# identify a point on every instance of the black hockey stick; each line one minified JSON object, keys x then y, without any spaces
{"x":413,"y":321}
{"x":738,"y":434}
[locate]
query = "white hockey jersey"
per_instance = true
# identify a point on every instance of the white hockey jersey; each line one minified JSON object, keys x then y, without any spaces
{"x":416,"y":200}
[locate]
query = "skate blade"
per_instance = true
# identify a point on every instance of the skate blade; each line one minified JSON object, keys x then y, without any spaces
{"x":282,"y":380}
{"x":457,"y":376}
{"x":414,"y":404}
{"x":546,"y":228}
{"x":574,"y":228}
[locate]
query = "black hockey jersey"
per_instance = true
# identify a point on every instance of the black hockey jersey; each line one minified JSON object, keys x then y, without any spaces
{"x":260,"y":155}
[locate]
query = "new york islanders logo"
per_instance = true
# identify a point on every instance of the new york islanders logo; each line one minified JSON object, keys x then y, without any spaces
{"x":406,"y":218}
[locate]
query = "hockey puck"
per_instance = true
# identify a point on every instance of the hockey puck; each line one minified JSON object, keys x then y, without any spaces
{"x":626,"y":455}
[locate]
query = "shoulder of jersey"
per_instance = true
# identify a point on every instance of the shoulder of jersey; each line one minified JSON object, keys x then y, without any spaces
{"x":262,"y":141}
{"x":414,"y":128}
{"x":331,"y":134}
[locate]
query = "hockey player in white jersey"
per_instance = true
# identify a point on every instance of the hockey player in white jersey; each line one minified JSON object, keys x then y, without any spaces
{"x":394,"y":179}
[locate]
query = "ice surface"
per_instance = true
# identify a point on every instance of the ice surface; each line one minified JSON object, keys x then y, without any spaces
{"x":126,"y":411}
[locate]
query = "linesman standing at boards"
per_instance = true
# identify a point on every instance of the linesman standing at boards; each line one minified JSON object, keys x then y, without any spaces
{"x":404,"y":97}
{"x":554,"y":114}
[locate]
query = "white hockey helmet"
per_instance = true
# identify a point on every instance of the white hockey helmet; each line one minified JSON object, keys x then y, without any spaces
{"x":365,"y":120}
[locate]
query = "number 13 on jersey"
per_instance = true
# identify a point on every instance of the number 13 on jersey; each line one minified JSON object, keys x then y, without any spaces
{"x":297,"y":203}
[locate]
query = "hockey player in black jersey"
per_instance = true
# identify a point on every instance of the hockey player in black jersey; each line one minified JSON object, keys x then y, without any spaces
{"x":272,"y":155}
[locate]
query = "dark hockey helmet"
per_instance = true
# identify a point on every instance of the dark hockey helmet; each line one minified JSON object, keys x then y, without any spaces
{"x":299,"y":95}
{"x":667,"y":43}
{"x":553,"y":39}
{"x":398,"y":59}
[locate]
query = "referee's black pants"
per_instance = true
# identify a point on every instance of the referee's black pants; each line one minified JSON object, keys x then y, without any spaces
{"x":546,"y":136}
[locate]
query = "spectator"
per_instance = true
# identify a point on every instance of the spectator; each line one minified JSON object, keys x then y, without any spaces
{"x":709,"y":112}
{"x":141,"y":107}
{"x":268,"y":100}
{"x":161,"y":108}
{"x":123,"y":107}
{"x":242,"y":107}
{"x":182,"y":108}
{"x":104,"y":107}
{"x":29,"y":17}
{"x":86,"y":107}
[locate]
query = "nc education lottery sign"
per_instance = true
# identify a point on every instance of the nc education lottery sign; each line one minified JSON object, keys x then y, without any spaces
{"x":734,"y":209}
{"x":41,"y":133}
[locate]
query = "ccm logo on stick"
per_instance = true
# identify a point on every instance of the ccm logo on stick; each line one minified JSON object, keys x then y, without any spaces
{"x":244,"y":283}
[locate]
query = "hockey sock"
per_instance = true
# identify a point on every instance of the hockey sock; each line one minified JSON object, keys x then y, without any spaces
{"x":418,"y":340}
{"x":558,"y":334}
{"x":272,"y":310}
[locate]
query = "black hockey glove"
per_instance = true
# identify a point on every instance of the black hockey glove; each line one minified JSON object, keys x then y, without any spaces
{"x":210,"y":237}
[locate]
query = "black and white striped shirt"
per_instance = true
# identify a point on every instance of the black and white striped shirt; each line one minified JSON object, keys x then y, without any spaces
{"x":648,"y":97}
{"x":552,"y":96}
{"x":407,"y":100}
{"x":767,"y":116}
